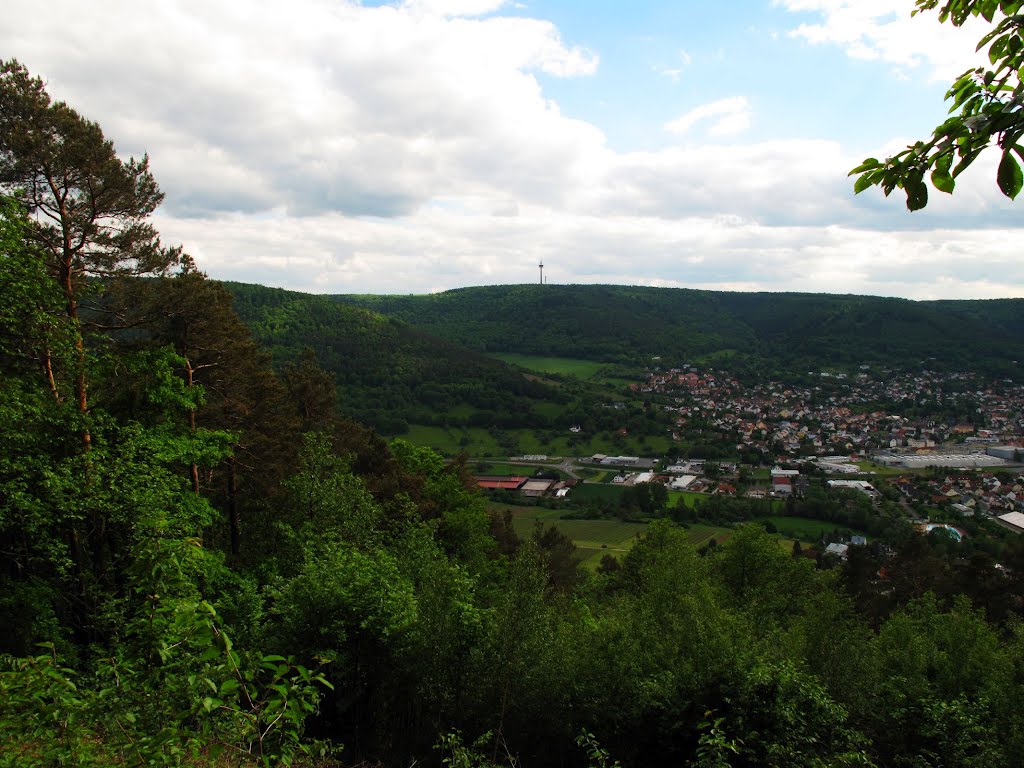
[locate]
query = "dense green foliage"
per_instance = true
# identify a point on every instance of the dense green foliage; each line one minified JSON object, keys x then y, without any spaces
{"x":756,"y":333}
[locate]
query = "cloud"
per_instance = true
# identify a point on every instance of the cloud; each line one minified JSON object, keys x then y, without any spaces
{"x":316,"y":105}
{"x":729,"y":117}
{"x":673,"y":73}
{"x":884,"y":30}
{"x":328,"y":146}
{"x":454,"y":7}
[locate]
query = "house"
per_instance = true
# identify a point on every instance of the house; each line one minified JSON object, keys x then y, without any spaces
{"x":535,"y":488}
{"x":839,"y":550}
{"x":682,"y":483}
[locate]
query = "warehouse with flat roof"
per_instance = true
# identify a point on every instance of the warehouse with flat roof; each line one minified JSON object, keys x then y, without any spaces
{"x":950,"y":460}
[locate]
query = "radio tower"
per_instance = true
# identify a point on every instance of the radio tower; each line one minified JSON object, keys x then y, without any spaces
{"x":542,"y":271}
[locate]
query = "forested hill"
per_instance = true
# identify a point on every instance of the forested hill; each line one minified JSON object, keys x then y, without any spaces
{"x":758,"y":331}
{"x":388,"y":374}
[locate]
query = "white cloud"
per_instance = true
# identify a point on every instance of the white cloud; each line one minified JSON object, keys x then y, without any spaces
{"x":884,"y":30}
{"x":315,"y":105}
{"x":454,"y":7}
{"x":730,"y":116}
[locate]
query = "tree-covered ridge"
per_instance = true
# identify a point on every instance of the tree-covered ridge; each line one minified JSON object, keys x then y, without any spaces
{"x":388,"y":374}
{"x":745,"y":331}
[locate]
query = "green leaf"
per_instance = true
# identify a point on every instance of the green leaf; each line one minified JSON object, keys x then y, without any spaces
{"x":867,"y":165}
{"x":861,"y":184}
{"x":1009,"y":176}
{"x":917,"y":195}
{"x":943,"y":181}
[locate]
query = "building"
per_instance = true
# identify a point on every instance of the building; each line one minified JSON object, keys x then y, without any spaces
{"x":682,"y":483}
{"x":536,"y":488}
{"x":1006,"y":452}
{"x":500,"y":482}
{"x":839,"y":550}
{"x":857,"y":485}
{"x":1013,"y":520}
{"x":950,"y":460}
{"x":783,"y":479}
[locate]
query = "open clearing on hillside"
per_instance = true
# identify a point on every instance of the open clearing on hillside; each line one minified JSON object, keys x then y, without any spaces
{"x":564,"y":366}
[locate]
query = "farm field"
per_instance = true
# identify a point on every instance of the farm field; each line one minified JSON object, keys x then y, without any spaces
{"x":596,"y":538}
{"x":500,"y":469}
{"x":699,"y":534}
{"x":449,"y":442}
{"x":807,"y":531}
{"x":687,"y":498}
{"x":603,"y":491}
{"x":478,"y":442}
{"x":565,"y":366}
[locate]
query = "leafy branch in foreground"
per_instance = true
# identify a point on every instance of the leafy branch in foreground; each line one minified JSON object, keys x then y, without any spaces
{"x":986,"y":109}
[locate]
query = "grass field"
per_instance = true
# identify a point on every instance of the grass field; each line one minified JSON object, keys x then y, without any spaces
{"x":881,"y":469}
{"x":449,"y":441}
{"x":808,"y":531}
{"x":477,"y":441}
{"x":504,"y":470}
{"x":699,"y":534}
{"x":685,"y":497}
{"x":596,"y":538}
{"x":565,"y":366}
{"x":599,"y":491}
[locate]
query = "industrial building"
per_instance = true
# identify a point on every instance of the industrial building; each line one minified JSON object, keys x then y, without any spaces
{"x":951,"y":460}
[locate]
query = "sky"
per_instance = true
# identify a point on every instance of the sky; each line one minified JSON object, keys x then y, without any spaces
{"x":417,"y":146}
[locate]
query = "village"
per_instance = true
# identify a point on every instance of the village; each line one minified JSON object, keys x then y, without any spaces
{"x":843,"y":415}
{"x":932,"y":441}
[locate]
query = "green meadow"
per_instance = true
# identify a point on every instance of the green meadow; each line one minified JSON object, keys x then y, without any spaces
{"x":564,"y":366}
{"x":596,"y":538}
{"x":807,"y":531}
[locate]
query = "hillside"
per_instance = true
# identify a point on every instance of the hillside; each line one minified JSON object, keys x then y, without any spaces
{"x":387,"y":373}
{"x":752,"y":332}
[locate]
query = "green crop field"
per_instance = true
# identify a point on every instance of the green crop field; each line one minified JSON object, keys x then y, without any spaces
{"x":503,"y":470}
{"x":596,"y":538}
{"x":808,"y":531}
{"x":593,"y":538}
{"x":565,"y":366}
{"x":474,"y":441}
{"x":688,"y":498}
{"x":699,"y":534}
{"x":598,"y":491}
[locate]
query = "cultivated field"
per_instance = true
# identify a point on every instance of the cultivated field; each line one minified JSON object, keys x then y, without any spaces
{"x":564,"y":366}
{"x":807,"y":531}
{"x":596,"y":538}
